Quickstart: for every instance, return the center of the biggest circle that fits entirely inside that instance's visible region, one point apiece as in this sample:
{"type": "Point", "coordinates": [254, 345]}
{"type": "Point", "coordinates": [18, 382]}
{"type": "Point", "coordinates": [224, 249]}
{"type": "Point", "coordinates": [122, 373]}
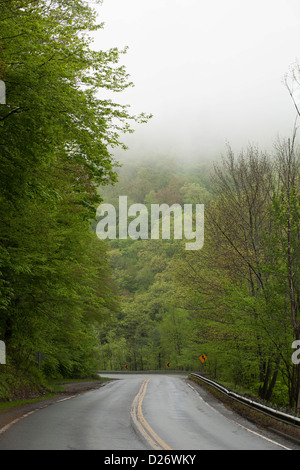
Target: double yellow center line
{"type": "Point", "coordinates": [142, 425]}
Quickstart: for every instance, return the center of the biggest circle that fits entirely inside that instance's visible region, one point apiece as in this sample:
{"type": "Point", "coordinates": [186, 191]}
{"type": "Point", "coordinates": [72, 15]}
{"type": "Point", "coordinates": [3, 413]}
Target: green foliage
{"type": "Point", "coordinates": [55, 139]}
{"type": "Point", "coordinates": [150, 329]}
{"type": "Point", "coordinates": [85, 304]}
{"type": "Point", "coordinates": [228, 300]}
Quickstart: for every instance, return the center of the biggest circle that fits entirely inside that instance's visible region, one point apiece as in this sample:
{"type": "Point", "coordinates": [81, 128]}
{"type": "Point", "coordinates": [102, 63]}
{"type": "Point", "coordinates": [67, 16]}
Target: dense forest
{"type": "Point", "coordinates": [72, 304]}
{"type": "Point", "coordinates": [56, 136]}
{"type": "Point", "coordinates": [237, 299]}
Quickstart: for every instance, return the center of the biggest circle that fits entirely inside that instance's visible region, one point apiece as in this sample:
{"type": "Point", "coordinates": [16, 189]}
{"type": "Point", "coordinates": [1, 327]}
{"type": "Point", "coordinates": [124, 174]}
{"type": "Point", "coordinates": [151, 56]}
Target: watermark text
{"type": "Point", "coordinates": [2, 353]}
{"type": "Point", "coordinates": [2, 92]}
{"type": "Point", "coordinates": [296, 354]}
{"type": "Point", "coordinates": [135, 222]}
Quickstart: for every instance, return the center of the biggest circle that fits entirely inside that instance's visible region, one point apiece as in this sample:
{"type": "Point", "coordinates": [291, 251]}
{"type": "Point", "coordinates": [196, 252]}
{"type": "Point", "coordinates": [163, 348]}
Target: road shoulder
{"type": "Point", "coordinates": [9, 416]}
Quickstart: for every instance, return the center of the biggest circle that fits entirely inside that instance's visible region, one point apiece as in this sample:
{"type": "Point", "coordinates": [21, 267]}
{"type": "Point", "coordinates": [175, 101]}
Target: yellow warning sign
{"type": "Point", "coordinates": [203, 358]}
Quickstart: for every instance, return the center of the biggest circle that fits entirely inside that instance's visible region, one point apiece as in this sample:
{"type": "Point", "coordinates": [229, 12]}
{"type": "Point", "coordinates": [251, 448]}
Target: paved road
{"type": "Point", "coordinates": [138, 412]}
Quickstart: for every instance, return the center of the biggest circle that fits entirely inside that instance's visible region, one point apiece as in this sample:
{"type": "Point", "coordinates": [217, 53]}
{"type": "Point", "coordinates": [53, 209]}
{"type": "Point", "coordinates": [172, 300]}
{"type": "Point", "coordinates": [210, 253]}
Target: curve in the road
{"type": "Point", "coordinates": [136, 413]}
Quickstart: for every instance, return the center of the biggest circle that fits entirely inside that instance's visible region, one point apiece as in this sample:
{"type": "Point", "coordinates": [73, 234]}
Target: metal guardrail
{"type": "Point", "coordinates": [129, 372]}
{"type": "Point", "coordinates": [272, 412]}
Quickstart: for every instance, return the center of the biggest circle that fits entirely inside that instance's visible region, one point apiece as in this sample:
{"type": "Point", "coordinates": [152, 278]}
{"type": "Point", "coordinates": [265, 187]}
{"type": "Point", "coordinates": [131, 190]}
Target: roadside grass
{"type": "Point", "coordinates": [52, 389]}
{"type": "Point", "coordinates": [59, 382]}
{"type": "Point", "coordinates": [8, 405]}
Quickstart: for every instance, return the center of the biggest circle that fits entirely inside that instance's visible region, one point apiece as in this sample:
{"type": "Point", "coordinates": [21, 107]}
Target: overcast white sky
{"type": "Point", "coordinates": [209, 71]}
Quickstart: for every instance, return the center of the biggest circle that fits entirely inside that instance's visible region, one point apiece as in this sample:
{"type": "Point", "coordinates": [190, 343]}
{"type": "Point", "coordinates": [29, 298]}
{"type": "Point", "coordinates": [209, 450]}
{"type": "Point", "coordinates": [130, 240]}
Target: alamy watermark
{"type": "Point", "coordinates": [155, 225]}
{"type": "Point", "coordinates": [2, 92]}
{"type": "Point", "coordinates": [2, 353]}
{"type": "Point", "coordinates": [296, 354]}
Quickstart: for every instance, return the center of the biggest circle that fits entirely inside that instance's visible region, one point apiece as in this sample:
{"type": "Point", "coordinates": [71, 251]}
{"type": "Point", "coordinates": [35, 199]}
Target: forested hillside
{"type": "Point", "coordinates": [72, 304]}
{"type": "Point", "coordinates": [237, 299]}
{"type": "Point", "coordinates": [154, 326]}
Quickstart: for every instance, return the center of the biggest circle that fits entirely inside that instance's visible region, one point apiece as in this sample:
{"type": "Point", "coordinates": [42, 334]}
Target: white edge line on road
{"type": "Point", "coordinates": [7, 426]}
{"type": "Point", "coordinates": [244, 427]}
{"type": "Point", "coordinates": [15, 421]}
{"type": "Point", "coordinates": [68, 398]}
{"type": "Point", "coordinates": [199, 396]}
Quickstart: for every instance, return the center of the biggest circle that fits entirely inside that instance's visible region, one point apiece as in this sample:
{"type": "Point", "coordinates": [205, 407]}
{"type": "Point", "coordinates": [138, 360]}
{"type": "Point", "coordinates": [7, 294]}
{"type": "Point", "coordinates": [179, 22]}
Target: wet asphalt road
{"type": "Point", "coordinates": [138, 412]}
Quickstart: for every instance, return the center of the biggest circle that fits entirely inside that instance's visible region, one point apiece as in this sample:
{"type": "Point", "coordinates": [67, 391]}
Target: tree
{"type": "Point", "coordinates": [55, 139]}
{"type": "Point", "coordinates": [285, 246]}
{"type": "Point", "coordinates": [227, 283]}
{"type": "Point", "coordinates": [292, 84]}
{"type": "Point", "coordinates": [53, 78]}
